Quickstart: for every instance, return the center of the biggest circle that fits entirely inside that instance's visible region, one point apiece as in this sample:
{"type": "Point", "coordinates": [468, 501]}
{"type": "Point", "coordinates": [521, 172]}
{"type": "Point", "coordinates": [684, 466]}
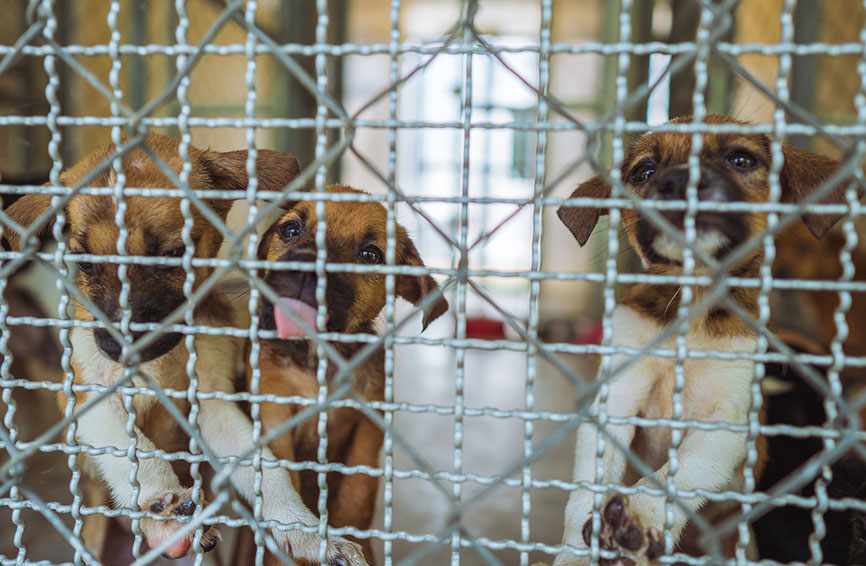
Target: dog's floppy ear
{"type": "Point", "coordinates": [804, 172]}
{"type": "Point", "coordinates": [228, 171]}
{"type": "Point", "coordinates": [414, 288]}
{"type": "Point", "coordinates": [25, 211]}
{"type": "Point", "coordinates": [581, 220]}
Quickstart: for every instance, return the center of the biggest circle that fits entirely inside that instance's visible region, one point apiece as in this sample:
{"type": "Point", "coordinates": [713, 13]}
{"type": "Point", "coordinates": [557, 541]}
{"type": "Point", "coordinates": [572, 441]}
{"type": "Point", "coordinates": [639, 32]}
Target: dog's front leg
{"type": "Point", "coordinates": [355, 502]}
{"type": "Point", "coordinates": [706, 460]}
{"type": "Point", "coordinates": [228, 432]}
{"type": "Point", "coordinates": [160, 491]}
{"type": "Point", "coordinates": [626, 395]}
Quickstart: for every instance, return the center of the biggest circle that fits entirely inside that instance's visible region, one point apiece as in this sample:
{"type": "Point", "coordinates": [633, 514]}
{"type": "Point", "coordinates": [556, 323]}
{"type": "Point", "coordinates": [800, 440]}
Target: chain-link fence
{"type": "Point", "coordinates": [181, 264]}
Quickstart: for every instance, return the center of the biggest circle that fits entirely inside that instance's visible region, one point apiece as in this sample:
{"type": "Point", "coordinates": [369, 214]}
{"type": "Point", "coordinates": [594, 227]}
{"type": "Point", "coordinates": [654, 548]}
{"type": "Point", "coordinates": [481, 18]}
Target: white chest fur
{"type": "Point", "coordinates": [707, 379]}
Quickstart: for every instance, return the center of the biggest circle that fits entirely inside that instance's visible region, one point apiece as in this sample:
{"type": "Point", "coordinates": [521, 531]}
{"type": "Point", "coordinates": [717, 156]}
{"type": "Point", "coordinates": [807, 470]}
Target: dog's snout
{"type": "Point", "coordinates": [673, 184]}
{"type": "Point", "coordinates": [106, 343]}
{"type": "Point", "coordinates": [300, 255]}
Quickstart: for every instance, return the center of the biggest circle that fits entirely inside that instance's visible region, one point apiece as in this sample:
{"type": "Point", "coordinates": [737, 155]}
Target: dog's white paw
{"type": "Point", "coordinates": [623, 532]}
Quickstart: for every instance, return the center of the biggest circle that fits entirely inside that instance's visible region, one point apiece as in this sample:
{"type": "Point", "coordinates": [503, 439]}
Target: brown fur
{"type": "Point", "coordinates": [154, 226]}
{"type": "Point", "coordinates": [289, 367]}
{"type": "Point", "coordinates": [801, 173]}
{"type": "Point", "coordinates": [799, 256]}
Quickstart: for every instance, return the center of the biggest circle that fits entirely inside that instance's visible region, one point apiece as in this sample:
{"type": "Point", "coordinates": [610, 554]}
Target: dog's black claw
{"type": "Point", "coordinates": [338, 561]}
{"type": "Point", "coordinates": [655, 547]}
{"type": "Point", "coordinates": [587, 531]}
{"type": "Point", "coordinates": [186, 508]}
{"type": "Point", "coordinates": [208, 545]}
{"type": "Point", "coordinates": [614, 512]}
{"type": "Point", "coordinates": [630, 539]}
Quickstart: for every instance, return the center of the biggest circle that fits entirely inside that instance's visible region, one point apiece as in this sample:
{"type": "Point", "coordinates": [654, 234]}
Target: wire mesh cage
{"type": "Point", "coordinates": [292, 273]}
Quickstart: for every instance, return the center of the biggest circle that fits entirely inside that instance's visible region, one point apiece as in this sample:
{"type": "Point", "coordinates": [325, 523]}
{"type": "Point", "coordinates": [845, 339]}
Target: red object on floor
{"type": "Point", "coordinates": [485, 328]}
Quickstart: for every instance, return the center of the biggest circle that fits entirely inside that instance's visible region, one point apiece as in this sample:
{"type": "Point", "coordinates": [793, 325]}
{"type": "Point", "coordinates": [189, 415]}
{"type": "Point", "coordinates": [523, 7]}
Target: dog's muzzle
{"type": "Point", "coordinates": [717, 232]}
{"type": "Point", "coordinates": [712, 187]}
{"type": "Point", "coordinates": [297, 291]}
{"type": "Point", "coordinates": [163, 344]}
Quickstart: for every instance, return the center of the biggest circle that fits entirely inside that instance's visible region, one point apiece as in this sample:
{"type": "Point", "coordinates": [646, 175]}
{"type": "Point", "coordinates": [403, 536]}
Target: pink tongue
{"type": "Point", "coordinates": [286, 325]}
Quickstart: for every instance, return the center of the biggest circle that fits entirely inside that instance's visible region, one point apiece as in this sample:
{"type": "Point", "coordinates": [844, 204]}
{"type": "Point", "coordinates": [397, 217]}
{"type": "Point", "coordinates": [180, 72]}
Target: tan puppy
{"type": "Point", "coordinates": [155, 229]}
{"type": "Point", "coordinates": [733, 168]}
{"type": "Point", "coordinates": [356, 233]}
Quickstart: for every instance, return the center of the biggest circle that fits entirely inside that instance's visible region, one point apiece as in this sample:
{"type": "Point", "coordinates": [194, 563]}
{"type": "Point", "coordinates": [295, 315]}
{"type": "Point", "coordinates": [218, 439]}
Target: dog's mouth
{"type": "Point", "coordinates": [162, 345]}
{"type": "Point", "coordinates": [287, 317]}
{"type": "Point", "coordinates": [288, 326]}
{"type": "Point", "coordinates": [715, 235]}
{"type": "Point", "coordinates": [708, 240]}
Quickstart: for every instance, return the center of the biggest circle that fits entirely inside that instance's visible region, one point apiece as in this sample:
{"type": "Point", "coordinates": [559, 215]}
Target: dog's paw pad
{"type": "Point", "coordinates": [614, 512]}
{"type": "Point", "coordinates": [630, 537]}
{"type": "Point", "coordinates": [172, 503]}
{"type": "Point", "coordinates": [622, 532]}
{"type": "Point", "coordinates": [178, 504]}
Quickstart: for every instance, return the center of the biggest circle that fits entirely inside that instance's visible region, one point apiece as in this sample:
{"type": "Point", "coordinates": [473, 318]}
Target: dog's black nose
{"type": "Point", "coordinates": [672, 185]}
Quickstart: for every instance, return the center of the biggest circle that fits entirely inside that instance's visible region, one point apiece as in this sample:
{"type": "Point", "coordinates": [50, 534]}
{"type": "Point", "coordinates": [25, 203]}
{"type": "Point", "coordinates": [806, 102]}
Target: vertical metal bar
{"type": "Point", "coordinates": [122, 270]}
{"type": "Point", "coordinates": [535, 265]}
{"type": "Point", "coordinates": [470, 8]}
{"type": "Point", "coordinates": [686, 292]}
{"type": "Point", "coordinates": [831, 408]}
{"type": "Point", "coordinates": [184, 112]}
{"type": "Point", "coordinates": [252, 303]}
{"type": "Point", "coordinates": [51, 91]}
{"type": "Point", "coordinates": [606, 367]}
{"type": "Point", "coordinates": [321, 274]}
{"type": "Point", "coordinates": [764, 314]}
{"type": "Point", "coordinates": [390, 282]}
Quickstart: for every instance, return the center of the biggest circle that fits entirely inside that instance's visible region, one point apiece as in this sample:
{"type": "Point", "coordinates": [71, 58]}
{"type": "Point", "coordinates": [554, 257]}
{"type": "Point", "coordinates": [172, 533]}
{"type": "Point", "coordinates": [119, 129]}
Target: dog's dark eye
{"type": "Point", "coordinates": [290, 230]}
{"type": "Point", "coordinates": [86, 267]}
{"type": "Point", "coordinates": [174, 252]}
{"type": "Point", "coordinates": [642, 173]}
{"type": "Point", "coordinates": [741, 160]}
{"type": "Point", "coordinates": [371, 254]}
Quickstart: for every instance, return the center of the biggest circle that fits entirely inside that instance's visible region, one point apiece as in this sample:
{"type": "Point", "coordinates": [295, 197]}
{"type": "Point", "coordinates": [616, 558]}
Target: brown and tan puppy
{"type": "Point", "coordinates": [154, 228]}
{"type": "Point", "coordinates": [355, 234]}
{"type": "Point", "coordinates": [733, 167]}
{"type": "Point", "coordinates": [799, 256]}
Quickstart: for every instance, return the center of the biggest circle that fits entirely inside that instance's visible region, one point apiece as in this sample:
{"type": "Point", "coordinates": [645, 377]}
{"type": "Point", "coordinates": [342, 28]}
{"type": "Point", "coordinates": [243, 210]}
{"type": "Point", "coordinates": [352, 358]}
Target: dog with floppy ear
{"type": "Point", "coordinates": [733, 168]}
{"type": "Point", "coordinates": [154, 227]}
{"type": "Point", "coordinates": [355, 234]}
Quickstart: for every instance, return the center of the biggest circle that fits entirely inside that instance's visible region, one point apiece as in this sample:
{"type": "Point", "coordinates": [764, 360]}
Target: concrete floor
{"type": "Point", "coordinates": [491, 447]}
